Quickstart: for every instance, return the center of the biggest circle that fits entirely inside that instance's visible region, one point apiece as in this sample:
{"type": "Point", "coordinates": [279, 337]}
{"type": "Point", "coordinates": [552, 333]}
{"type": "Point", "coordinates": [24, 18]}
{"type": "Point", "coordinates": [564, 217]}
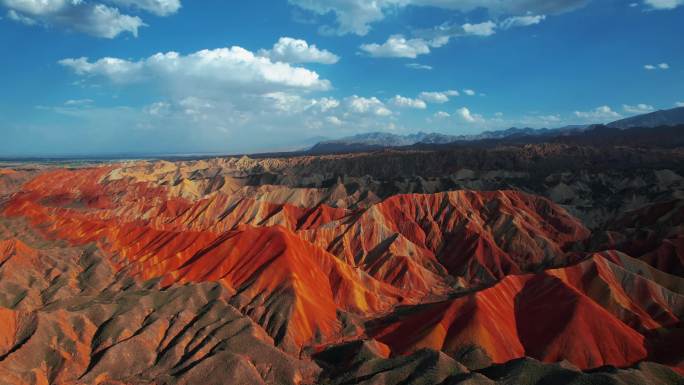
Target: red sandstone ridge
{"type": "Point", "coordinates": [476, 236]}
{"type": "Point", "coordinates": [298, 258]}
{"type": "Point", "coordinates": [15, 328]}
{"type": "Point", "coordinates": [653, 233]}
{"type": "Point", "coordinates": [14, 248]}
{"type": "Point", "coordinates": [599, 312]}
{"type": "Point", "coordinates": [280, 277]}
{"type": "Point", "coordinates": [406, 240]}
{"type": "Point", "coordinates": [481, 277]}
{"type": "Point", "coordinates": [293, 287]}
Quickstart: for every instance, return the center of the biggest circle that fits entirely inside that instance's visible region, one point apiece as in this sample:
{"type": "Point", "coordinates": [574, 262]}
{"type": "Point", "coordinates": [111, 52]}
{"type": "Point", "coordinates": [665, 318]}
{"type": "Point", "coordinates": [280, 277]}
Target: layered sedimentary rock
{"type": "Point", "coordinates": [281, 270]}
{"type": "Point", "coordinates": [606, 310]}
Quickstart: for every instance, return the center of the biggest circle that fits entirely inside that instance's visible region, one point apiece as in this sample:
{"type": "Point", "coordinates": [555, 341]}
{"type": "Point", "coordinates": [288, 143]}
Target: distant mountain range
{"type": "Point", "coordinates": [380, 140]}
{"type": "Point", "coordinates": [671, 117]}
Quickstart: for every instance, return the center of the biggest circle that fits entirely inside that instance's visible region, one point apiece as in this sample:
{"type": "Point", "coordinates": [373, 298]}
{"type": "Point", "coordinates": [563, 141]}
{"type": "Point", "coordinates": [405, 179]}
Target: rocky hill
{"type": "Point", "coordinates": [552, 262]}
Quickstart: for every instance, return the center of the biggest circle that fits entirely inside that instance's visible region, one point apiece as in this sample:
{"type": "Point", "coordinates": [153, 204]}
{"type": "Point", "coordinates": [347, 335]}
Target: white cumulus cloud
{"type": "Point", "coordinates": [291, 50]}
{"type": "Point", "coordinates": [222, 68]}
{"type": "Point", "coordinates": [78, 102]}
{"type": "Point", "coordinates": [157, 7]}
{"type": "Point", "coordinates": [288, 103]}
{"type": "Point", "coordinates": [334, 120]}
{"type": "Point", "coordinates": [224, 99]}
{"type": "Point", "coordinates": [356, 16]}
{"type": "Point", "coordinates": [13, 15]}
{"type": "Point", "coordinates": [467, 116]}
{"type": "Point", "coordinates": [486, 28]}
{"type": "Point", "coordinates": [99, 19]}
{"type": "Point", "coordinates": [598, 114]}
{"type": "Point", "coordinates": [361, 105]}
{"type": "Point", "coordinates": [522, 21]}
{"type": "Point", "coordinates": [640, 108]}
{"type": "Point", "coordinates": [661, 66]}
{"type": "Point", "coordinates": [326, 103]}
{"type": "Point", "coordinates": [402, 101]}
{"type": "Point", "coordinates": [664, 4]}
{"type": "Point", "coordinates": [418, 66]}
{"type": "Point", "coordinates": [438, 97]}
{"type": "Point", "coordinates": [397, 46]}
{"type": "Point", "coordinates": [352, 16]}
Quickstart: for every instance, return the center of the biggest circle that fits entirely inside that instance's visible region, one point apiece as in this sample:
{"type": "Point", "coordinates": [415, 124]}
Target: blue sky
{"type": "Point", "coordinates": [174, 76]}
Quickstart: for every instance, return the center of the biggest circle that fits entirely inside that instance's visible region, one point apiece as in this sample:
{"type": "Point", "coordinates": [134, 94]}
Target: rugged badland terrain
{"type": "Point", "coordinates": [554, 262]}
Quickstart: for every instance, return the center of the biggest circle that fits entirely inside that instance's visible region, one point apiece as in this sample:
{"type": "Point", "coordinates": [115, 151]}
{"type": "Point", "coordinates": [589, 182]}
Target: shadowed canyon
{"type": "Point", "coordinates": [558, 262]}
